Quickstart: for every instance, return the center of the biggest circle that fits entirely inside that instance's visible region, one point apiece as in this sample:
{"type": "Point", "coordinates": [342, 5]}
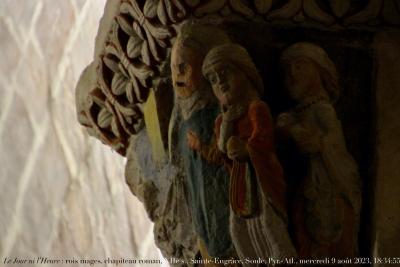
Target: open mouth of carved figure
{"type": "Point", "coordinates": [180, 84]}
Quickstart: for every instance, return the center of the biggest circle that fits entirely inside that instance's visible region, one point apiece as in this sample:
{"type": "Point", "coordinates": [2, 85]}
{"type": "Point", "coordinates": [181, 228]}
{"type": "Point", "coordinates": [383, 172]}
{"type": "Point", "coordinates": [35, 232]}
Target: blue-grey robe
{"type": "Point", "coordinates": [207, 184]}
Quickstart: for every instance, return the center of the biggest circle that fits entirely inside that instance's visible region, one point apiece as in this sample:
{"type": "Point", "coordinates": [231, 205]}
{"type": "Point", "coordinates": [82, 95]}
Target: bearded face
{"type": "Point", "coordinates": [186, 70]}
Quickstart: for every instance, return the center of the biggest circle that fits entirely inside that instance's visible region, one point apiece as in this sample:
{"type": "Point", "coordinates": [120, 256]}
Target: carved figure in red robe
{"type": "Point", "coordinates": [244, 134]}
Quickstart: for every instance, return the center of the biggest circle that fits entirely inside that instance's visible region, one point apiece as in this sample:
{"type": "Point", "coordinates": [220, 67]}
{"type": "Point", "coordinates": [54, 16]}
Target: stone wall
{"type": "Point", "coordinates": [62, 193]}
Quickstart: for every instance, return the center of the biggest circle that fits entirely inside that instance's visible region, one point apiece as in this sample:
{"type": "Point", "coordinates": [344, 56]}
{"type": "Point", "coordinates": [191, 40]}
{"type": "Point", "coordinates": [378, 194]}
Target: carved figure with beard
{"type": "Point", "coordinates": [195, 110]}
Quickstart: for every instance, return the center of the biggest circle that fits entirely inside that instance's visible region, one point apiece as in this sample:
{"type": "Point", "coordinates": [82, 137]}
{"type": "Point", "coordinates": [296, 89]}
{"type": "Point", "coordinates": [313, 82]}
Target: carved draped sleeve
{"type": "Point", "coordinates": [260, 146]}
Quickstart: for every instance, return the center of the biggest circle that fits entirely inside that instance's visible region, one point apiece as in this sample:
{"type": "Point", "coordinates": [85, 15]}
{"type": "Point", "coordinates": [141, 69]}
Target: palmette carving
{"type": "Point", "coordinates": [371, 11]}
{"type": "Point", "coordinates": [263, 6]}
{"type": "Point", "coordinates": [314, 11]}
{"type": "Point", "coordinates": [241, 8]}
{"type": "Point", "coordinates": [339, 7]}
{"type": "Point", "coordinates": [287, 11]}
{"type": "Point", "coordinates": [124, 73]}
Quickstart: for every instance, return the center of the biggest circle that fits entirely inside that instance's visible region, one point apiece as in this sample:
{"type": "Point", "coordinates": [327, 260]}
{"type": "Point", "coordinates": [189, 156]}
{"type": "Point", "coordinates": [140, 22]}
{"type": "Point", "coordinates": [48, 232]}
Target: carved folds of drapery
{"type": "Point", "coordinates": [134, 59]}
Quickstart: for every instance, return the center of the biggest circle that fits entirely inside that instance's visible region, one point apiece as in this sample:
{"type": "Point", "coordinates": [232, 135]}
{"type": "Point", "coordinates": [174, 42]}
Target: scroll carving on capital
{"type": "Point", "coordinates": [185, 94]}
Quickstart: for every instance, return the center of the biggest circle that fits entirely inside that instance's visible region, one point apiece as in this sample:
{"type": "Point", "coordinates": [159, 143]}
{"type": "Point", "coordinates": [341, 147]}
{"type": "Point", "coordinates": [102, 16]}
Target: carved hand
{"type": "Point", "coordinates": [193, 140]}
{"type": "Point", "coordinates": [233, 112]}
{"type": "Point", "coordinates": [237, 149]}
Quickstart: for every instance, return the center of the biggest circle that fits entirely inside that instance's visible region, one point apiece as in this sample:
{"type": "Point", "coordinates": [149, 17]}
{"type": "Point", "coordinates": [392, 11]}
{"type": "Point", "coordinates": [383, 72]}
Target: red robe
{"type": "Point", "coordinates": [256, 129]}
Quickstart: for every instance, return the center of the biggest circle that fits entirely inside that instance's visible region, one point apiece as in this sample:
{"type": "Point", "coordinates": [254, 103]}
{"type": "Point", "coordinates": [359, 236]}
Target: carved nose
{"type": "Point", "coordinates": [223, 87]}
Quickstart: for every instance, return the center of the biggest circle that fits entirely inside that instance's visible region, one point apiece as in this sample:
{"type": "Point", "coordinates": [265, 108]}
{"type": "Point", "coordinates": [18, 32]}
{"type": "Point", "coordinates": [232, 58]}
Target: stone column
{"type": "Point", "coordinates": [386, 215]}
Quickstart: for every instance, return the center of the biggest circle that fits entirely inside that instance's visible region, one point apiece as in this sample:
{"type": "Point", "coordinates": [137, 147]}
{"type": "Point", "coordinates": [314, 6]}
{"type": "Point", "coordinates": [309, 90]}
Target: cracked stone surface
{"type": "Point", "coordinates": [62, 193]}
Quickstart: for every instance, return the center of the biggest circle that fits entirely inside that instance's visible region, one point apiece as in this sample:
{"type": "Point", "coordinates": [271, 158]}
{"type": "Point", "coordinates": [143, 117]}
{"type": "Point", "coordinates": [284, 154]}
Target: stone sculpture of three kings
{"type": "Point", "coordinates": [221, 135]}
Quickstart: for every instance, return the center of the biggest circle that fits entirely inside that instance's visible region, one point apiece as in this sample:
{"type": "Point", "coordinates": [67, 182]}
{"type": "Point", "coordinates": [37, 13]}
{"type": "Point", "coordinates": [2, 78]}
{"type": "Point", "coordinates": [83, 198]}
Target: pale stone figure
{"type": "Point", "coordinates": [327, 206]}
{"type": "Point", "coordinates": [195, 110]}
{"type": "Point", "coordinates": [244, 133]}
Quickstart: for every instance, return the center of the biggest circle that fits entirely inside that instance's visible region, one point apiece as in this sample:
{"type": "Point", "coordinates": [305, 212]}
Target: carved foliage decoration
{"type": "Point", "coordinates": [342, 12]}
{"type": "Point", "coordinates": [135, 48]}
{"type": "Point", "coordinates": [140, 40]}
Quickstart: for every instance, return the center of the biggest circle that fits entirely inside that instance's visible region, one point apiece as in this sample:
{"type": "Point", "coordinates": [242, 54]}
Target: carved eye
{"type": "Point", "coordinates": [223, 73]}
{"type": "Point", "coordinates": [226, 70]}
{"type": "Point", "coordinates": [212, 78]}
